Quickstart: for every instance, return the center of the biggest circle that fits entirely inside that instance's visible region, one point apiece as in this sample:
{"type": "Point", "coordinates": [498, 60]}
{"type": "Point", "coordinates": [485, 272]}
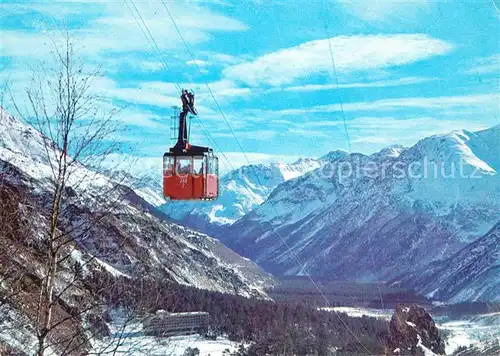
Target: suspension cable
{"type": "Point", "coordinates": [165, 65]}
{"type": "Point", "coordinates": [338, 88]}
{"type": "Point", "coordinates": [294, 254]}
{"type": "Point", "coordinates": [157, 51]}
{"type": "Point", "coordinates": [151, 40]}
{"type": "Point", "coordinates": [205, 82]}
{"type": "Point", "coordinates": [348, 140]}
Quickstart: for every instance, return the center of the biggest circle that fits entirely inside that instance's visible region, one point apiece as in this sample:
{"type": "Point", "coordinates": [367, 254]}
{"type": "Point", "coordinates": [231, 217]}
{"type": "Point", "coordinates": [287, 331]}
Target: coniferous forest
{"type": "Point", "coordinates": [274, 328]}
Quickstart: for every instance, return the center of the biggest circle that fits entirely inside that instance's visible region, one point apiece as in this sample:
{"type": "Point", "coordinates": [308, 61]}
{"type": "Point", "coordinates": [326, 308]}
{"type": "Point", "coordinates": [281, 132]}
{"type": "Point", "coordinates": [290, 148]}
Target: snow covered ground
{"type": "Point", "coordinates": [172, 346]}
{"type": "Point", "coordinates": [127, 338]}
{"type": "Point", "coordinates": [479, 330]}
{"type": "Point", "coordinates": [15, 331]}
{"type": "Point", "coordinates": [359, 312]}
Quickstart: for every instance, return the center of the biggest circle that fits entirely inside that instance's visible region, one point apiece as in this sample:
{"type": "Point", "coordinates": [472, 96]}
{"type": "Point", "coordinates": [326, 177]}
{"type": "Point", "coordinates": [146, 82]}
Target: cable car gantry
{"type": "Point", "coordinates": [189, 172]}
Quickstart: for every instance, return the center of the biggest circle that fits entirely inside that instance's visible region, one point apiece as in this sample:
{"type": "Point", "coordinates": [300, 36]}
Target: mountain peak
{"type": "Point", "coordinates": [334, 155]}
{"type": "Point", "coordinates": [22, 145]}
{"type": "Point", "coordinates": [390, 151]}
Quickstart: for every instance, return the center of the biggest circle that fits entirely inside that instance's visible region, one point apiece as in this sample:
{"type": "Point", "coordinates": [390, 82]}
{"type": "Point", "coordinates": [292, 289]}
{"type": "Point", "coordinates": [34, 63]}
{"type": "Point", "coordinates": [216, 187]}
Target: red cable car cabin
{"type": "Point", "coordinates": [189, 172]}
{"type": "Point", "coordinates": [191, 175]}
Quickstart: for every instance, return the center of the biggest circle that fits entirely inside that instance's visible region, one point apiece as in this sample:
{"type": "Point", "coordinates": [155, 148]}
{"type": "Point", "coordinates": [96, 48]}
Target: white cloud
{"type": "Point", "coordinates": [376, 128]}
{"type": "Point", "coordinates": [159, 94]}
{"type": "Point", "coordinates": [24, 43]}
{"type": "Point", "coordinates": [198, 17]}
{"type": "Point", "coordinates": [197, 62]}
{"type": "Point", "coordinates": [113, 28]}
{"type": "Point", "coordinates": [216, 59]}
{"type": "Point", "coordinates": [167, 88]}
{"type": "Point", "coordinates": [131, 116]}
{"type": "Point", "coordinates": [223, 89]}
{"type": "Point", "coordinates": [426, 103]}
{"type": "Point", "coordinates": [371, 139]}
{"type": "Point", "coordinates": [136, 95]}
{"type": "Point", "coordinates": [304, 132]}
{"type": "Point", "coordinates": [352, 53]}
{"type": "Point", "coordinates": [391, 123]}
{"type": "Point", "coordinates": [196, 23]}
{"type": "Point", "coordinates": [382, 131]}
{"type": "Point", "coordinates": [150, 66]}
{"type": "Point", "coordinates": [322, 123]}
{"type": "Point", "coordinates": [55, 9]}
{"type": "Point", "coordinates": [167, 94]}
{"type": "Point", "coordinates": [225, 59]}
{"type": "Point", "coordinates": [440, 102]}
{"type": "Point", "coordinates": [136, 64]}
{"type": "Point", "coordinates": [383, 11]}
{"type": "Point", "coordinates": [374, 84]}
{"type": "Point", "coordinates": [485, 65]}
{"type": "Point", "coordinates": [372, 133]}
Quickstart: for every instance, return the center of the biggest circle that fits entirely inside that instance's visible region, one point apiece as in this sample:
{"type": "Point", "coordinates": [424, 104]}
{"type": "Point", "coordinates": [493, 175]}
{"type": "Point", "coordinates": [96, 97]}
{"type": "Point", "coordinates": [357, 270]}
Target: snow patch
{"type": "Point", "coordinates": [426, 351]}
{"type": "Point", "coordinates": [128, 338]}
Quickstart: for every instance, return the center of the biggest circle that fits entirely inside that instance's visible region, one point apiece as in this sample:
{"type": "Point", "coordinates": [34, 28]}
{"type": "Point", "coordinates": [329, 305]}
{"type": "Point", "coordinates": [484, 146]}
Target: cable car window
{"type": "Point", "coordinates": [198, 165]}
{"type": "Point", "coordinates": [168, 165]}
{"type": "Point", "coordinates": [209, 165]}
{"type": "Point", "coordinates": [184, 165]}
{"type": "Point", "coordinates": [214, 166]}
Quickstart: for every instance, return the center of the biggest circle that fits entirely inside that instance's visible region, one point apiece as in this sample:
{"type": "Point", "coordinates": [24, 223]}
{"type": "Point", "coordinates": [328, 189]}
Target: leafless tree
{"type": "Point", "coordinates": [77, 128]}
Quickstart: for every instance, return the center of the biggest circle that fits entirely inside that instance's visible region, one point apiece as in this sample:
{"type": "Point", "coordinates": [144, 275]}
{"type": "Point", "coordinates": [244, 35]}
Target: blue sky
{"type": "Point", "coordinates": [406, 69]}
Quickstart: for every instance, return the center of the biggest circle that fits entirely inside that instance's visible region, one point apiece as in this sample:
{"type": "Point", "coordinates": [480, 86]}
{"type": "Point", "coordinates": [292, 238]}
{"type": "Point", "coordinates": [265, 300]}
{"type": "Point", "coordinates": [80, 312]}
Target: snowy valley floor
{"type": "Point", "coordinates": [128, 338]}
{"type": "Point", "coordinates": [479, 330]}
{"type": "Point", "coordinates": [173, 346]}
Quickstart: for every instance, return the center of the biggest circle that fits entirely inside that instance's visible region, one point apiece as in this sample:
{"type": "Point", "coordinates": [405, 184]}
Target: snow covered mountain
{"type": "Point", "coordinates": [135, 238]}
{"type": "Point", "coordinates": [242, 190]}
{"type": "Point", "coordinates": [147, 184]}
{"type": "Point", "coordinates": [471, 274]}
{"type": "Point", "coordinates": [107, 234]}
{"type": "Point", "coordinates": [379, 216]}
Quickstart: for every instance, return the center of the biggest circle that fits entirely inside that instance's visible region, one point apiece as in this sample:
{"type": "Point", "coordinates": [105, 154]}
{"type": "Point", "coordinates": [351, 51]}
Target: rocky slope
{"type": "Point", "coordinates": [153, 243]}
{"type": "Point", "coordinates": [379, 216]}
{"type": "Point", "coordinates": [413, 332]}
{"type": "Point", "coordinates": [111, 231]}
{"type": "Point", "coordinates": [472, 273]}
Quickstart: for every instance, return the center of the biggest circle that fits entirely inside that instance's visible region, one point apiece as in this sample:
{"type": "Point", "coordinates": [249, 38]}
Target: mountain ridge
{"type": "Point", "coordinates": [473, 273]}
{"type": "Point", "coordinates": [330, 220]}
{"type": "Point", "coordinates": [24, 166]}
